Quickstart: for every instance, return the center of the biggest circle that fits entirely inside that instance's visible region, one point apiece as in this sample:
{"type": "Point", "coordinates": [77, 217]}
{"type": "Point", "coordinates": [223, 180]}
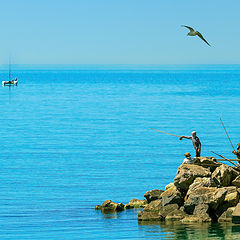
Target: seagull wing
{"type": "Point", "coordinates": [191, 29]}
{"type": "Point", "coordinates": [200, 35]}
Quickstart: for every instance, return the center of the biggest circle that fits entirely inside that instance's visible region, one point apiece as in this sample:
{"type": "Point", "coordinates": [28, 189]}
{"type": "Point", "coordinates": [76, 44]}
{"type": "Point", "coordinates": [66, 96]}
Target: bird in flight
{"type": "Point", "coordinates": [195, 33]}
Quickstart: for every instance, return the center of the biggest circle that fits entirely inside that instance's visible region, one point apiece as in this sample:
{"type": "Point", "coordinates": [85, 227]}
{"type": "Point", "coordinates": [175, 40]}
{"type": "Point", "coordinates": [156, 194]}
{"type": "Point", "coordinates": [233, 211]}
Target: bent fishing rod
{"type": "Point", "coordinates": [225, 158]}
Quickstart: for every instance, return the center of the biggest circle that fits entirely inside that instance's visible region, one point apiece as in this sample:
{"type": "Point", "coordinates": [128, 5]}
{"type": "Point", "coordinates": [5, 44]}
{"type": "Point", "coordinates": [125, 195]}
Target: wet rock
{"type": "Point", "coordinates": [110, 206]}
{"type": "Point", "coordinates": [236, 214]}
{"type": "Point", "coordinates": [187, 173]}
{"type": "Point", "coordinates": [225, 174]}
{"type": "Point", "coordinates": [98, 207]}
{"type": "Point", "coordinates": [227, 215]}
{"type": "Point", "coordinates": [156, 212]}
{"type": "Point", "coordinates": [136, 203]}
{"type": "Point", "coordinates": [176, 215]}
{"type": "Point", "coordinates": [202, 211]}
{"type": "Point", "coordinates": [172, 195]}
{"type": "Point", "coordinates": [194, 219]}
{"type": "Point", "coordinates": [153, 195]}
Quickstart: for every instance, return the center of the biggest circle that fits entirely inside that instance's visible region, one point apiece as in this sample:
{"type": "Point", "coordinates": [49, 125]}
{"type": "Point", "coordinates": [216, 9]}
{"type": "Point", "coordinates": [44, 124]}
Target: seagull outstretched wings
{"type": "Point", "coordinates": [195, 33]}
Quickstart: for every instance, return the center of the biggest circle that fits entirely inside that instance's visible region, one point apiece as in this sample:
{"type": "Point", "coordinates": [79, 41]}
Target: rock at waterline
{"type": "Point", "coordinates": [110, 206]}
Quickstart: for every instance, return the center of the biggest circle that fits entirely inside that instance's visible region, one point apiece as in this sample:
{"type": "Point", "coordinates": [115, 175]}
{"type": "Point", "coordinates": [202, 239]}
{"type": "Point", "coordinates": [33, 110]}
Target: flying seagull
{"type": "Point", "coordinates": [195, 33]}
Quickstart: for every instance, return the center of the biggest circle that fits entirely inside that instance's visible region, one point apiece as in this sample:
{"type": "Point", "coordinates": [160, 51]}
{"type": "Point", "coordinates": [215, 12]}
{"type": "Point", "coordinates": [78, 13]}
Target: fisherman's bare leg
{"type": "Point", "coordinates": [198, 152]}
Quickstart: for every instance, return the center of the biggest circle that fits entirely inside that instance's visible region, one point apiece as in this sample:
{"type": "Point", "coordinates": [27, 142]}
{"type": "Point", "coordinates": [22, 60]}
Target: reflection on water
{"type": "Point", "coordinates": [190, 231]}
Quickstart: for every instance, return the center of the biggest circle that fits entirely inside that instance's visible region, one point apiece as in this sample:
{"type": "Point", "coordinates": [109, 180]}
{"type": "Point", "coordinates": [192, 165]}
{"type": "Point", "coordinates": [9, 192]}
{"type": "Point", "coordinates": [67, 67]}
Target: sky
{"type": "Point", "coordinates": [119, 31]}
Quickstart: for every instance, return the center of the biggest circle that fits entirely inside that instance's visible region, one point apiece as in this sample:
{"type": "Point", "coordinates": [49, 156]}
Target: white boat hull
{"type": "Point", "coordinates": [7, 83]}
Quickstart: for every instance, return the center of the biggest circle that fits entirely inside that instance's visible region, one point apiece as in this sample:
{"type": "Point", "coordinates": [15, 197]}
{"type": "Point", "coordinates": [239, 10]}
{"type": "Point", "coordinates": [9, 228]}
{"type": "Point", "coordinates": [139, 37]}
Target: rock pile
{"type": "Point", "coordinates": [203, 192]}
{"type": "Point", "coordinates": [208, 191]}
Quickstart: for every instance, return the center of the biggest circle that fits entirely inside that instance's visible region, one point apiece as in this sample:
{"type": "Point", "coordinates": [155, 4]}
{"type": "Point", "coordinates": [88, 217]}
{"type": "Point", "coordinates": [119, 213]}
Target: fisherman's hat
{"type": "Point", "coordinates": [194, 132]}
{"type": "Point", "coordinates": [187, 154]}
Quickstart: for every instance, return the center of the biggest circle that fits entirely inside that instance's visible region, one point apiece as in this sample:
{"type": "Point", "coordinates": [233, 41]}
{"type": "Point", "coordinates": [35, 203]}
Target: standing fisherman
{"type": "Point", "coordinates": [196, 142]}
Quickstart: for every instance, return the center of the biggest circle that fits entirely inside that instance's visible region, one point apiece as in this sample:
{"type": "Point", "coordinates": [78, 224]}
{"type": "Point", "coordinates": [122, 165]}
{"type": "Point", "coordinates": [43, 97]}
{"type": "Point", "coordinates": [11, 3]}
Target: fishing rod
{"type": "Point", "coordinates": [225, 158]}
{"type": "Point", "coordinates": [165, 132]}
{"type": "Point", "coordinates": [227, 134]}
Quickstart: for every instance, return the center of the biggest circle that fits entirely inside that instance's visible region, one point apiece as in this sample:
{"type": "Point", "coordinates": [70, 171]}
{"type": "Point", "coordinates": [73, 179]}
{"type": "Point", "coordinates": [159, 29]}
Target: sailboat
{"type": "Point", "coordinates": [10, 82]}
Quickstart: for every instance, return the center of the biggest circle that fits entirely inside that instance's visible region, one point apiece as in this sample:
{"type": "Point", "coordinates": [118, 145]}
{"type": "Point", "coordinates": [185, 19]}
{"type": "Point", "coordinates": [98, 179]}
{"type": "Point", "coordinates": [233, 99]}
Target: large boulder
{"type": "Point", "coordinates": [136, 203]}
{"type": "Point", "coordinates": [225, 174]}
{"type": "Point", "coordinates": [153, 195]}
{"type": "Point", "coordinates": [187, 173]}
{"type": "Point", "coordinates": [201, 182]}
{"type": "Point", "coordinates": [209, 162]}
{"type": "Point", "coordinates": [110, 206]}
{"type": "Point", "coordinates": [205, 195]}
{"type": "Point", "coordinates": [172, 195]}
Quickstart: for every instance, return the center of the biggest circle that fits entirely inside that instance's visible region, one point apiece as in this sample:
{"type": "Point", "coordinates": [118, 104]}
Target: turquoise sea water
{"type": "Point", "coordinates": [74, 136]}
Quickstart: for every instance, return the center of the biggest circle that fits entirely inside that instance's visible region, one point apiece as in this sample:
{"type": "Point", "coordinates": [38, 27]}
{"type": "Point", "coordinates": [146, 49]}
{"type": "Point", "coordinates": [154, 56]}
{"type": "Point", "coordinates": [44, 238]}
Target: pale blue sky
{"type": "Point", "coordinates": [119, 31]}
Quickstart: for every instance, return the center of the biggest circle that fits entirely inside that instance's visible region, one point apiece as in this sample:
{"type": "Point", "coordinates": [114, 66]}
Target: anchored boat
{"type": "Point", "coordinates": [10, 82]}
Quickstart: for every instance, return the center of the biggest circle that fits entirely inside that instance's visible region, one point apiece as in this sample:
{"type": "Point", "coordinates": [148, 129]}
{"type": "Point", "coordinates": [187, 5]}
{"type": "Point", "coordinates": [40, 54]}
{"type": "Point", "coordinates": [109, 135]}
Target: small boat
{"type": "Point", "coordinates": [10, 82]}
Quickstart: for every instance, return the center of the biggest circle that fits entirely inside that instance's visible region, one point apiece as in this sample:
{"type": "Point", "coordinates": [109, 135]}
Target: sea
{"type": "Point", "coordinates": [73, 136]}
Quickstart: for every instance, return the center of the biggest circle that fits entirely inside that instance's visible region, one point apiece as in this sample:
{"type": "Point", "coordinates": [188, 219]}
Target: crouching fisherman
{"type": "Point", "coordinates": [188, 159]}
{"type": "Point", "coordinates": [195, 141]}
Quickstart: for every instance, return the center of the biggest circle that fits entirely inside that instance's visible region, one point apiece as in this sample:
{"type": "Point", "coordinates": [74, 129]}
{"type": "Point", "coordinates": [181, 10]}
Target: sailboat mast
{"type": "Point", "coordinates": [9, 69]}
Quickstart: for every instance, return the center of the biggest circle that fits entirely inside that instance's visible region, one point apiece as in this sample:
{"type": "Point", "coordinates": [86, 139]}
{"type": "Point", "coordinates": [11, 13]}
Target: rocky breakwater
{"type": "Point", "coordinates": [204, 192]}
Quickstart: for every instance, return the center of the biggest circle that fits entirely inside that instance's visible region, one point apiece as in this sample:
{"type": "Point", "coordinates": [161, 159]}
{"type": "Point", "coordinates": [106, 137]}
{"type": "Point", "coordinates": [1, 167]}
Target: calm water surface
{"type": "Point", "coordinates": [74, 136]}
